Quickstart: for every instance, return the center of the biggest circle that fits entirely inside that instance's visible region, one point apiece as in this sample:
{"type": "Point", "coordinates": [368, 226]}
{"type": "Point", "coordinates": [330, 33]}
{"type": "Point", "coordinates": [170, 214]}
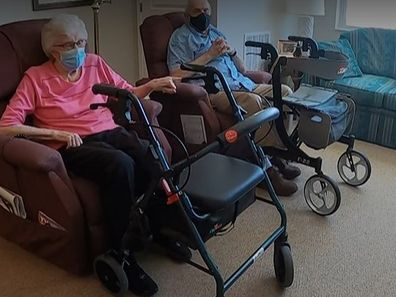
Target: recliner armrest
{"type": "Point", "coordinates": [185, 92]}
{"type": "Point", "coordinates": [259, 77]}
{"type": "Point", "coordinates": [152, 108]}
{"type": "Point", "coordinates": [189, 99]}
{"type": "Point", "coordinates": [31, 155]}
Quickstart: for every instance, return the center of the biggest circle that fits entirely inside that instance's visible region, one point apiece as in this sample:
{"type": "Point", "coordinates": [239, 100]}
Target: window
{"type": "Point", "coordinates": [365, 13]}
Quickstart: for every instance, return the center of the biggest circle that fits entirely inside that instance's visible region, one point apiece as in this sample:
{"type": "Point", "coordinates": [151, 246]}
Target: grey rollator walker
{"type": "Point", "coordinates": [217, 188]}
{"type": "Point", "coordinates": [322, 120]}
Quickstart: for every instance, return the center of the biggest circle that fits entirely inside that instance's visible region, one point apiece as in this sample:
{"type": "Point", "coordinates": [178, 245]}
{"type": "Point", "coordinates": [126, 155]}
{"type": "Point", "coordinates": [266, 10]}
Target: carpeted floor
{"type": "Point", "coordinates": [351, 253]}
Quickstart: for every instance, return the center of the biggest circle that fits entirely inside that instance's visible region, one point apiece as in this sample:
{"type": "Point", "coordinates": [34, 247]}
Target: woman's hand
{"type": "Point", "coordinates": [72, 139]}
{"type": "Point", "coordinates": [163, 84]}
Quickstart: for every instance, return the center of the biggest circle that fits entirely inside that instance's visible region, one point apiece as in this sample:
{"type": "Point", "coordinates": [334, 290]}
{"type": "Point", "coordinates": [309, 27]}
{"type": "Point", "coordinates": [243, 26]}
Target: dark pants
{"type": "Point", "coordinates": [117, 162]}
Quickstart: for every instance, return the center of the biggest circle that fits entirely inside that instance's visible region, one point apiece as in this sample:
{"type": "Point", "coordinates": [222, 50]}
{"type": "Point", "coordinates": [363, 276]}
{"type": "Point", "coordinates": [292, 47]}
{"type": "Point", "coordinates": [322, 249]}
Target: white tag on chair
{"type": "Point", "coordinates": [193, 129]}
{"type": "Point", "coordinates": [12, 203]}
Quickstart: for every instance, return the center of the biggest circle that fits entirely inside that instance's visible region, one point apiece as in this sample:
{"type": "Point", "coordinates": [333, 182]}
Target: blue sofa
{"type": "Point", "coordinates": [370, 80]}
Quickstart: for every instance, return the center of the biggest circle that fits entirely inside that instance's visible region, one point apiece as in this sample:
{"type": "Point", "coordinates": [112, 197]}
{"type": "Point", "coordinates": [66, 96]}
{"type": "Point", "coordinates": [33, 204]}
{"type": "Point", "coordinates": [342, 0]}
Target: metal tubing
{"type": "Point", "coordinates": [250, 261]}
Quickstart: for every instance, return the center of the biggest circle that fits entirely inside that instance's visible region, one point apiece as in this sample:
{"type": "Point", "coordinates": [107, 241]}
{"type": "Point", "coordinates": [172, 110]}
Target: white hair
{"type": "Point", "coordinates": [63, 24]}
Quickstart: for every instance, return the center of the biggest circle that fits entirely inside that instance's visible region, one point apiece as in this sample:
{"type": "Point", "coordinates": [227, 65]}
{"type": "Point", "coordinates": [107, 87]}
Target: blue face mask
{"type": "Point", "coordinates": [73, 59]}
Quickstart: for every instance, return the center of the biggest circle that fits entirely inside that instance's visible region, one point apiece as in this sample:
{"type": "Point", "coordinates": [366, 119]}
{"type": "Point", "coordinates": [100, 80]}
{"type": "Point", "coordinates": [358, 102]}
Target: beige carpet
{"type": "Point", "coordinates": [351, 253]}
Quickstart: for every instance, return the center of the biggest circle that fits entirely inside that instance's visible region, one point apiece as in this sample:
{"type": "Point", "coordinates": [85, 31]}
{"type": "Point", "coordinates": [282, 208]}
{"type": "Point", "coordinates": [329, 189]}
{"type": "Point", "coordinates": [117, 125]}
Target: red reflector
{"type": "Point", "coordinates": [172, 199]}
{"type": "Point", "coordinates": [342, 70]}
{"type": "Point", "coordinates": [231, 136]}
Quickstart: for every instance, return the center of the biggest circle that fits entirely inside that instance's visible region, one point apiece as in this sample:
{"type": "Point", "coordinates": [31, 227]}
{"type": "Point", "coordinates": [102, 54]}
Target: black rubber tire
{"type": "Point", "coordinates": [283, 265]}
{"type": "Point", "coordinates": [367, 164]}
{"type": "Point", "coordinates": [110, 273]}
{"type": "Point", "coordinates": [336, 189]}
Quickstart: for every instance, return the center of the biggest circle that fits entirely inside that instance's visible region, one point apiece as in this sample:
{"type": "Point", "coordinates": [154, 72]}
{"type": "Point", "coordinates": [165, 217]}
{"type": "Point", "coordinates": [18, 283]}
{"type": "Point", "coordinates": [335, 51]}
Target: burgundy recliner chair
{"type": "Point", "coordinates": [190, 99]}
{"type": "Point", "coordinates": [64, 222]}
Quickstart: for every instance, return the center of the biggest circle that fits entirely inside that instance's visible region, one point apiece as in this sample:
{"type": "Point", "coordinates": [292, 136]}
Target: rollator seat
{"type": "Point", "coordinates": [218, 181]}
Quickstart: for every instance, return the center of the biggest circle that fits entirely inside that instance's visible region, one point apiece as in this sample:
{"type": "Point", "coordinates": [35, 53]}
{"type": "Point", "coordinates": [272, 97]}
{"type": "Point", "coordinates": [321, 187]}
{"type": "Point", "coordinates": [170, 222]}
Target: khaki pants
{"type": "Point", "coordinates": [252, 103]}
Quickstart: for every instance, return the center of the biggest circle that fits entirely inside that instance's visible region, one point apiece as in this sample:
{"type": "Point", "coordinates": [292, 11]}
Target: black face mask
{"type": "Point", "coordinates": [200, 22]}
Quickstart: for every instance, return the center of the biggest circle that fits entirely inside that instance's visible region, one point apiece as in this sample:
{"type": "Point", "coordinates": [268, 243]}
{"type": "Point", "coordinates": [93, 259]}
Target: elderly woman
{"type": "Point", "coordinates": [58, 95]}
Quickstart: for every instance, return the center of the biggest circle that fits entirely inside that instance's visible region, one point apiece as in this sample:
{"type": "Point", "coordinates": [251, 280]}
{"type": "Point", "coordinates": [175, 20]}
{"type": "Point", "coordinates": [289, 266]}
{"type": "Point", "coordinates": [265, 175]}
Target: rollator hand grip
{"type": "Point", "coordinates": [307, 44]}
{"type": "Point", "coordinates": [248, 125]}
{"type": "Point", "coordinates": [266, 49]}
{"type": "Point", "coordinates": [96, 105]}
{"type": "Point", "coordinates": [255, 44]}
{"type": "Point", "coordinates": [197, 68]}
{"type": "Point", "coordinates": [110, 91]}
{"type": "Point", "coordinates": [230, 136]}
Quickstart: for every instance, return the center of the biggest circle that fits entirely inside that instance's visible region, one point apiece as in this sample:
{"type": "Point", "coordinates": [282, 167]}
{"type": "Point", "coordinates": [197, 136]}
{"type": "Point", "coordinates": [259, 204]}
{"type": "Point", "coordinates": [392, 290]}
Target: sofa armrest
{"type": "Point", "coordinates": [259, 77]}
{"type": "Point", "coordinates": [39, 158]}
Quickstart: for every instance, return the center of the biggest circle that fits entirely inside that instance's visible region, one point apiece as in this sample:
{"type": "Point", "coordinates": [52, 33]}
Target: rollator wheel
{"type": "Point", "coordinates": [110, 273]}
{"type": "Point", "coordinates": [354, 168]}
{"type": "Point", "coordinates": [283, 264]}
{"type": "Point", "coordinates": [322, 195]}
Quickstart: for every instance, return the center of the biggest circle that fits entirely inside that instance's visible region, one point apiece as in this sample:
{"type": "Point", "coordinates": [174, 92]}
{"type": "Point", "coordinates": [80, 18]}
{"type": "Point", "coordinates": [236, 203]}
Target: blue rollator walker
{"type": "Point", "coordinates": [217, 188]}
{"type": "Point", "coordinates": [324, 116]}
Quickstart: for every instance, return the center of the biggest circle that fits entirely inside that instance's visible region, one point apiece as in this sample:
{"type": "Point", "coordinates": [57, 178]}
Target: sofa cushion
{"type": "Point", "coordinates": [343, 46]}
{"type": "Point", "coordinates": [368, 90]}
{"type": "Point", "coordinates": [375, 50]}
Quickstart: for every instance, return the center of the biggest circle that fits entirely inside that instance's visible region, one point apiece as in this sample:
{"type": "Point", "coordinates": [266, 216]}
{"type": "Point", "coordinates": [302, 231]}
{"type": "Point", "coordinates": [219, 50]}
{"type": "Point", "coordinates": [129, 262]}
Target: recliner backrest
{"type": "Point", "coordinates": [155, 33]}
{"type": "Point", "coordinates": [20, 48]}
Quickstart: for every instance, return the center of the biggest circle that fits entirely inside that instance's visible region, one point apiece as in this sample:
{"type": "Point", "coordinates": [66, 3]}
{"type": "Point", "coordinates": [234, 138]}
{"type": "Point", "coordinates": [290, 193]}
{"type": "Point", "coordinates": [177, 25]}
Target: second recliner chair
{"type": "Point", "coordinates": [190, 99]}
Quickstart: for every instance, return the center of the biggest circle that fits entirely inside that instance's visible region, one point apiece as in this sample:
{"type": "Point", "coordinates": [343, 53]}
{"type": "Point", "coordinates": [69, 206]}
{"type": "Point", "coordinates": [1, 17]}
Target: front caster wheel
{"type": "Point", "coordinates": [354, 168]}
{"type": "Point", "coordinates": [322, 195]}
{"type": "Point", "coordinates": [283, 264]}
{"type": "Point", "coordinates": [111, 274]}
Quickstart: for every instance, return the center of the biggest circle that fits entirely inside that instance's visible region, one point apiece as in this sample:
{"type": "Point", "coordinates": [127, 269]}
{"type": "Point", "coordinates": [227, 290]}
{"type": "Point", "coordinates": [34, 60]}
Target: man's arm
{"type": "Point", "coordinates": [218, 48]}
{"type": "Point", "coordinates": [237, 61]}
{"type": "Point", "coordinates": [202, 60]}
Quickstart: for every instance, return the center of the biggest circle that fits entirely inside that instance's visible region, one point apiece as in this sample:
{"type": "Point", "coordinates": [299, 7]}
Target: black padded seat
{"type": "Point", "coordinates": [218, 181]}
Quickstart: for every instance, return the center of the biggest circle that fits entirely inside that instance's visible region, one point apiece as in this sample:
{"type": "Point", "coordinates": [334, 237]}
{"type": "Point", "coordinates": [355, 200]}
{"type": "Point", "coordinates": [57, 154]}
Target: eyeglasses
{"type": "Point", "coordinates": [71, 45]}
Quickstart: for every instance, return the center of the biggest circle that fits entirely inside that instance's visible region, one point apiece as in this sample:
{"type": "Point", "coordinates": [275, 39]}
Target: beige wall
{"type": "Point", "coordinates": [235, 18]}
{"type": "Point", "coordinates": [325, 25]}
{"type": "Point", "coordinates": [118, 31]}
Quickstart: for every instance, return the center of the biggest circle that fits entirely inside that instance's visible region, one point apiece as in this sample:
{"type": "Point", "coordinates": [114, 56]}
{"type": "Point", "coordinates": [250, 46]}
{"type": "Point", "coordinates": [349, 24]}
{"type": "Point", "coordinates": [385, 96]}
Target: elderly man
{"type": "Point", "coordinates": [198, 42]}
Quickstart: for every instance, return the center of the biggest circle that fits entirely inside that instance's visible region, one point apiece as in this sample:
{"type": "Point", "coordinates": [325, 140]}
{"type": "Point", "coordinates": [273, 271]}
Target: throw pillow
{"type": "Point", "coordinates": [343, 46]}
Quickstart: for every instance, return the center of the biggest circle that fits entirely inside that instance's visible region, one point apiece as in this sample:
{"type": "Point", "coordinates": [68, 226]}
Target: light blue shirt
{"type": "Point", "coordinates": [186, 44]}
